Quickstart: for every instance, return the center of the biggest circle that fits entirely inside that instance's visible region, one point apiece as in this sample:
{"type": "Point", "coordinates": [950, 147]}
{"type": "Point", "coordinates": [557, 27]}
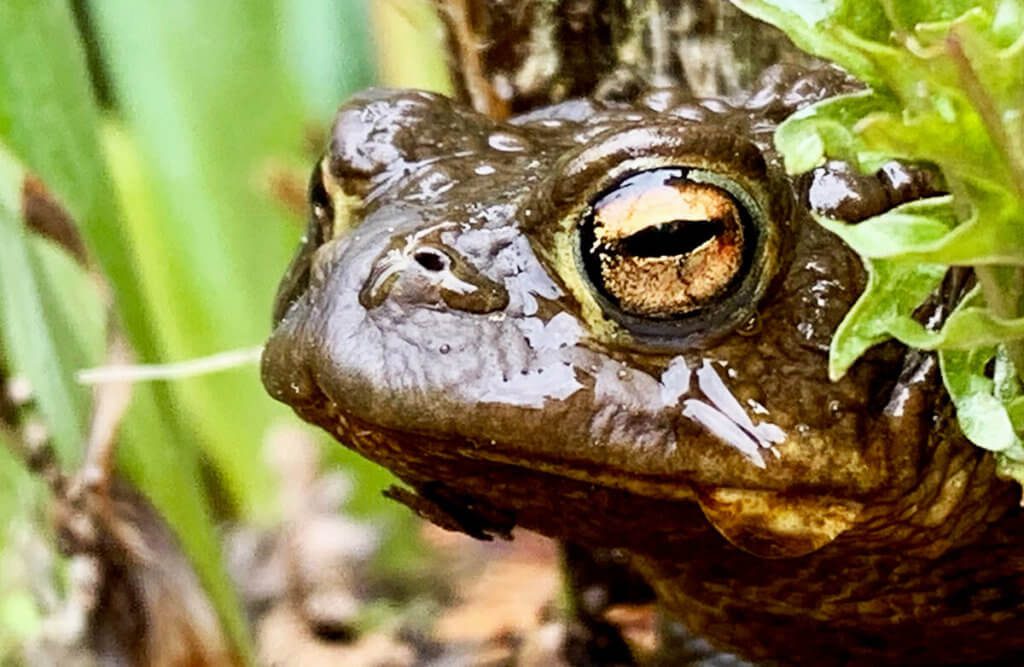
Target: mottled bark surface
{"type": "Point", "coordinates": [509, 56]}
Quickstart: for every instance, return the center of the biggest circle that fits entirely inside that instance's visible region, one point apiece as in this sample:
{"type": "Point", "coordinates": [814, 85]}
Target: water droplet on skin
{"type": "Point", "coordinates": [506, 143]}
{"type": "Point", "coordinates": [484, 170]}
{"type": "Point", "coordinates": [751, 327]}
{"type": "Point", "coordinates": [445, 348]}
{"type": "Point", "coordinates": [622, 374]}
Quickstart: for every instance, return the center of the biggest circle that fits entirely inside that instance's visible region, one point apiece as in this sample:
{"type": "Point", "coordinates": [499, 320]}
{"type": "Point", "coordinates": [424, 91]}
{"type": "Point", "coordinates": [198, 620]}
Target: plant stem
{"type": "Point", "coordinates": [1003, 287]}
{"type": "Point", "coordinates": [988, 111]}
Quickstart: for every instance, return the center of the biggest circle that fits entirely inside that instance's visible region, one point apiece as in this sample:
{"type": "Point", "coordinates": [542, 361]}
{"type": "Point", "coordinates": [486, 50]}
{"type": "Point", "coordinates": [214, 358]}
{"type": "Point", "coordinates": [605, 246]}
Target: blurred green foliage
{"type": "Point", "coordinates": [170, 155]}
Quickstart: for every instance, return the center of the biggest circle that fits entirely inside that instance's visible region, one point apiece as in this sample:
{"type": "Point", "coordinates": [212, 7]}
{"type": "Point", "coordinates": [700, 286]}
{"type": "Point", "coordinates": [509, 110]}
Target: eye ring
{"type": "Point", "coordinates": [748, 172]}
{"type": "Point", "coordinates": [673, 254]}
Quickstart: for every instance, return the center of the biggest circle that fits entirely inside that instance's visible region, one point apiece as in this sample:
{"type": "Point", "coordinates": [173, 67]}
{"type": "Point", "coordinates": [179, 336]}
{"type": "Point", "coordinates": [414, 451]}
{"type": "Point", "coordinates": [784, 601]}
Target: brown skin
{"type": "Point", "coordinates": [439, 321]}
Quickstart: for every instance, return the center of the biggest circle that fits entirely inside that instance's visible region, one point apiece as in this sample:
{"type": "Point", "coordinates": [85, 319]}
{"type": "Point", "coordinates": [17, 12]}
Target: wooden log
{"type": "Point", "coordinates": [509, 56]}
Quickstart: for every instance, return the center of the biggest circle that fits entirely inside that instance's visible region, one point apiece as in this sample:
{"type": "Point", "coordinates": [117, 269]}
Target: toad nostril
{"type": "Point", "coordinates": [431, 260]}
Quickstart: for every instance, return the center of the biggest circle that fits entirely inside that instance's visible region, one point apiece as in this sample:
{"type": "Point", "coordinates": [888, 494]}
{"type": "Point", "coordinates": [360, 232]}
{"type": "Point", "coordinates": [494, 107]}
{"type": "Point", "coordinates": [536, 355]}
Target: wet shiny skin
{"type": "Point", "coordinates": [437, 321]}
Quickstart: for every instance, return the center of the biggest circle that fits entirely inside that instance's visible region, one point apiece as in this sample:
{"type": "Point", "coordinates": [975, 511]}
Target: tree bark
{"type": "Point", "coordinates": [509, 56]}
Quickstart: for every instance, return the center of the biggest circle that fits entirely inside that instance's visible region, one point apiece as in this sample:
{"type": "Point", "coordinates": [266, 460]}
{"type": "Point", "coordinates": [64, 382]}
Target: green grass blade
{"type": "Point", "coordinates": [211, 243]}
{"type": "Point", "coordinates": [327, 45]}
{"type": "Point", "coordinates": [48, 118]}
{"type": "Point", "coordinates": [39, 342]}
{"type": "Point", "coordinates": [52, 319]}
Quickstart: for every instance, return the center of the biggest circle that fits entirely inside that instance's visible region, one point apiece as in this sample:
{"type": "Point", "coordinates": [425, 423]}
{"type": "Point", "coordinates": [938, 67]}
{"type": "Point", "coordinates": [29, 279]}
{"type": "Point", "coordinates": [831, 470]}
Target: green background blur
{"type": "Point", "coordinates": [174, 133]}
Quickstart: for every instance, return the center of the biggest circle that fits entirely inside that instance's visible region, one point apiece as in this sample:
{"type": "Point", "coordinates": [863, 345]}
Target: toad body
{"type": "Point", "coordinates": [608, 321]}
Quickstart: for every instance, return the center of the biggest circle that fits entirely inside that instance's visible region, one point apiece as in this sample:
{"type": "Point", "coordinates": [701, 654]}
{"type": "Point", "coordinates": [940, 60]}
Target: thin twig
{"type": "Point", "coordinates": [214, 363]}
{"type": "Point", "coordinates": [110, 403]}
{"type": "Point", "coordinates": [470, 53]}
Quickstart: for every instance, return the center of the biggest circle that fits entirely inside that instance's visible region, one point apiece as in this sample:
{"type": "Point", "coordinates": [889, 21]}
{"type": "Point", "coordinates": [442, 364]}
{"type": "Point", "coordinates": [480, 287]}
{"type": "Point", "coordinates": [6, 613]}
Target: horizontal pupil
{"type": "Point", "coordinates": [671, 239]}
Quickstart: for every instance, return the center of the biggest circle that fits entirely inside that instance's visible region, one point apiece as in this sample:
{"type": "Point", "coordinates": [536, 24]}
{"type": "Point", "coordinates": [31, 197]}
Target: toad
{"type": "Point", "coordinates": [608, 321]}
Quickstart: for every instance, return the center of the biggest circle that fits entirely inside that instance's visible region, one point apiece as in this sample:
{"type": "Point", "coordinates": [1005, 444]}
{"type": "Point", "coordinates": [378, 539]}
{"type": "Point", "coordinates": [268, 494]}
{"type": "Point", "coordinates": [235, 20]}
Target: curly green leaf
{"type": "Point", "coordinates": [826, 129]}
{"type": "Point", "coordinates": [894, 289]}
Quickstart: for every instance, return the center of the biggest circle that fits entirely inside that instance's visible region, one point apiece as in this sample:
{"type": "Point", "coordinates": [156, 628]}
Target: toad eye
{"type": "Point", "coordinates": [319, 230]}
{"type": "Point", "coordinates": [672, 251]}
{"type": "Point", "coordinates": [321, 209]}
{"type": "Point", "coordinates": [658, 245]}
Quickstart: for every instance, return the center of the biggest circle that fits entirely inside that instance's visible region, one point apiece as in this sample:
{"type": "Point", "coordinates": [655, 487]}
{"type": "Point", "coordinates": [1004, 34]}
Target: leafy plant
{"type": "Point", "coordinates": [945, 85]}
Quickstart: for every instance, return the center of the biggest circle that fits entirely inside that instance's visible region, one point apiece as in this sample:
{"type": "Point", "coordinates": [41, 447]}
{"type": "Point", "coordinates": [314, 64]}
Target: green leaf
{"type": "Point", "coordinates": [980, 241]}
{"type": "Point", "coordinates": [894, 289]}
{"type": "Point", "coordinates": [190, 162]}
{"type": "Point", "coordinates": [1009, 468]}
{"type": "Point", "coordinates": [52, 316]}
{"type": "Point", "coordinates": [1008, 22]}
{"type": "Point", "coordinates": [826, 129]}
{"type": "Point", "coordinates": [327, 45]}
{"type": "Point", "coordinates": [984, 403]}
{"type": "Point", "coordinates": [40, 343]}
{"type": "Point", "coordinates": [828, 28]}
{"type": "Point", "coordinates": [1006, 380]}
{"type": "Point", "coordinates": [983, 418]}
{"type": "Point", "coordinates": [907, 15]}
{"type": "Point", "coordinates": [1015, 409]}
{"type": "Point", "coordinates": [954, 137]}
{"type": "Point", "coordinates": [927, 231]}
{"type": "Point", "coordinates": [21, 497]}
{"type": "Point", "coordinates": [965, 329]}
{"type": "Point", "coordinates": [898, 231]}
{"type": "Point", "coordinates": [48, 118]}
{"type": "Point", "coordinates": [947, 87]}
{"type": "Point", "coordinates": [44, 92]}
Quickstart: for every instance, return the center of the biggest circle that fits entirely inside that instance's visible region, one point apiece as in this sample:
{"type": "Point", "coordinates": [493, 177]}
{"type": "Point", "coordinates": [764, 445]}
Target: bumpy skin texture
{"type": "Point", "coordinates": [434, 322]}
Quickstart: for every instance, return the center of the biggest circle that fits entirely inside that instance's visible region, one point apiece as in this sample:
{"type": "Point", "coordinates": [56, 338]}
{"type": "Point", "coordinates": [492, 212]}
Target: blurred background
{"type": "Point", "coordinates": [178, 138]}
